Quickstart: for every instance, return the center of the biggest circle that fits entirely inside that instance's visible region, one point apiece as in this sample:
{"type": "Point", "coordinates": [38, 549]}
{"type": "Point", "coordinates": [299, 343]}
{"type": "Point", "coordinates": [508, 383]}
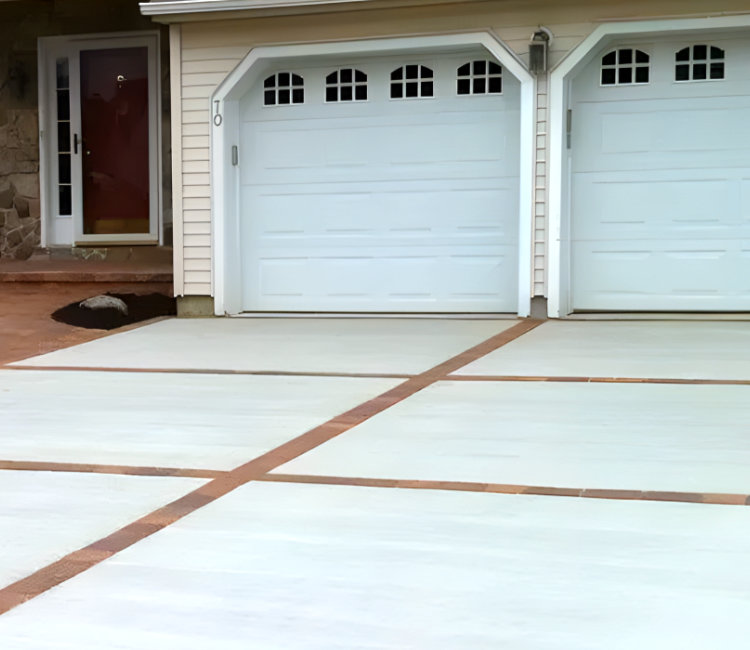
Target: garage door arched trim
{"type": "Point", "coordinates": [559, 283]}
{"type": "Point", "coordinates": [227, 258]}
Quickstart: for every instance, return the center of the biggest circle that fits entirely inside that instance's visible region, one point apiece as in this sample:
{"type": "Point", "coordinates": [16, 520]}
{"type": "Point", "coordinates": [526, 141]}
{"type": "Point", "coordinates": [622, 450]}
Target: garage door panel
{"type": "Point", "coordinates": [687, 275]}
{"type": "Point", "coordinates": [409, 282]}
{"type": "Point", "coordinates": [658, 135]}
{"type": "Point", "coordinates": [634, 205]}
{"type": "Point", "coordinates": [383, 205]}
{"type": "Point", "coordinates": [660, 191]}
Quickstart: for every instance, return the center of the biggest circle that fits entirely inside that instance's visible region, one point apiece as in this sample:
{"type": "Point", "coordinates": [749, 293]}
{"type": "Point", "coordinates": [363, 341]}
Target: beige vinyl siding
{"type": "Point", "coordinates": [212, 48]}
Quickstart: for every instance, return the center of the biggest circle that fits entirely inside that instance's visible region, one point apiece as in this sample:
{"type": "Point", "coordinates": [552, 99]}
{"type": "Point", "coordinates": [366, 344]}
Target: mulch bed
{"type": "Point", "coordinates": [140, 307]}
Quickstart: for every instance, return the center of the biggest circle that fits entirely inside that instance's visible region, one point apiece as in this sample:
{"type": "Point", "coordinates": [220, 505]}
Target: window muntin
{"type": "Point", "coordinates": [625, 67]}
{"type": "Point", "coordinates": [283, 88]}
{"type": "Point", "coordinates": [699, 63]}
{"type": "Point", "coordinates": [64, 180]}
{"type": "Point", "coordinates": [346, 85]}
{"type": "Point", "coordinates": [479, 78]}
{"type": "Point", "coordinates": [412, 81]}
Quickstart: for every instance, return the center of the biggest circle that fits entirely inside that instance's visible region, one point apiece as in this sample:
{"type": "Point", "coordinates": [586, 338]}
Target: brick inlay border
{"type": "Point", "coordinates": [600, 380]}
{"type": "Point", "coordinates": [94, 468]}
{"type": "Point", "coordinates": [79, 561]}
{"type": "Point", "coordinates": [506, 488]}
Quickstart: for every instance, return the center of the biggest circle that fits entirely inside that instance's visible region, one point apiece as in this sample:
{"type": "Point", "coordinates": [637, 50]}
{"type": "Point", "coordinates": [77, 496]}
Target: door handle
{"type": "Point", "coordinates": [75, 143]}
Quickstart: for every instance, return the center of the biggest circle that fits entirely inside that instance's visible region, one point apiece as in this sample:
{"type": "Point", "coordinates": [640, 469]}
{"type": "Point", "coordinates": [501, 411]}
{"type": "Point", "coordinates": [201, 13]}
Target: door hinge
{"type": "Point", "coordinates": [568, 127]}
{"type": "Point", "coordinates": [235, 155]}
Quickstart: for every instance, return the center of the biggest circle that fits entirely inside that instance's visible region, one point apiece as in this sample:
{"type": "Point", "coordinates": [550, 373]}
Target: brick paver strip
{"type": "Point", "coordinates": [601, 380]}
{"type": "Point", "coordinates": [92, 468]}
{"type": "Point", "coordinates": [217, 371]}
{"type": "Point", "coordinates": [87, 557]}
{"type": "Point", "coordinates": [502, 488]}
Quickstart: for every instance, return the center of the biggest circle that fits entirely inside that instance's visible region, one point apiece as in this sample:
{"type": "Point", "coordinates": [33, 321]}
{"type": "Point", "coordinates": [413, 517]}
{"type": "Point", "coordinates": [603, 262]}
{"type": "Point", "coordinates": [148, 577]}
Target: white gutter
{"type": "Point", "coordinates": [175, 7]}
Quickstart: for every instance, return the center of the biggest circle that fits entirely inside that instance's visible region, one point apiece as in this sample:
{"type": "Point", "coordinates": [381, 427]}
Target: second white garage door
{"type": "Point", "coordinates": [385, 184]}
{"type": "Point", "coordinates": [660, 151]}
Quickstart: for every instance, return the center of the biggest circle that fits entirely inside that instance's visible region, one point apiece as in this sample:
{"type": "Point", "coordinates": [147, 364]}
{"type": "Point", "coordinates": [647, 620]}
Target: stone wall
{"type": "Point", "coordinates": [22, 22]}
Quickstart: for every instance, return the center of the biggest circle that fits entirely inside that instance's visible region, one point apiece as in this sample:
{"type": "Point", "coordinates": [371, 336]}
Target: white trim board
{"type": "Point", "coordinates": [226, 258]}
{"type": "Point", "coordinates": [558, 255]}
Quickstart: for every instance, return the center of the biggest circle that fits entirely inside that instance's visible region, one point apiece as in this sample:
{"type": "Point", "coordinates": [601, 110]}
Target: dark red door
{"type": "Point", "coordinates": [115, 138]}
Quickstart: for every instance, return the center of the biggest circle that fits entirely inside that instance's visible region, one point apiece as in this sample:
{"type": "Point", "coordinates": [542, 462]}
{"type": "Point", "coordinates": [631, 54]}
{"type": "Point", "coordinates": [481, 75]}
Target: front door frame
{"type": "Point", "coordinates": [68, 231]}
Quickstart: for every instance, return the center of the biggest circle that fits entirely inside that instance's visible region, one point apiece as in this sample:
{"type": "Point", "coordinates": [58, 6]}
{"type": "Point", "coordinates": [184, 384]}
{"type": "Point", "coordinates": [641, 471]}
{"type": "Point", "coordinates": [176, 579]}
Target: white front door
{"type": "Point", "coordinates": [660, 187]}
{"type": "Point", "coordinates": [99, 109]}
{"type": "Point", "coordinates": [382, 184]}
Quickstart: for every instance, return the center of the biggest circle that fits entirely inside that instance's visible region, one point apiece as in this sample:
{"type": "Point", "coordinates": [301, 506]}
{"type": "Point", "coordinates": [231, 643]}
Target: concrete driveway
{"type": "Point", "coordinates": [379, 483]}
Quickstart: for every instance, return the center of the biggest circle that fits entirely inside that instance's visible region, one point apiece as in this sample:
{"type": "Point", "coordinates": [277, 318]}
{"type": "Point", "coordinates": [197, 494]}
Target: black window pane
{"type": "Point", "coordinates": [284, 79]}
{"type": "Point", "coordinates": [641, 75]}
{"type": "Point", "coordinates": [65, 200]}
{"type": "Point", "coordinates": [298, 96]}
{"type": "Point", "coordinates": [360, 93]}
{"type": "Point", "coordinates": [699, 52]}
{"type": "Point", "coordinates": [465, 70]}
{"type": "Point", "coordinates": [62, 73]}
{"type": "Point", "coordinates": [397, 74]}
{"type": "Point", "coordinates": [270, 82]}
{"type": "Point", "coordinates": [608, 77]}
{"type": "Point", "coordinates": [332, 78]}
{"type": "Point", "coordinates": [479, 86]}
{"type": "Point", "coordinates": [464, 86]}
{"type": "Point", "coordinates": [360, 76]}
{"type": "Point", "coordinates": [346, 94]}
{"type": "Point", "coordinates": [411, 89]}
{"type": "Point", "coordinates": [609, 59]}
{"type": "Point", "coordinates": [412, 71]}
{"type": "Point", "coordinates": [495, 68]}
{"type": "Point", "coordinates": [346, 76]}
{"type": "Point", "coordinates": [63, 168]}
{"type": "Point", "coordinates": [496, 85]}
{"type": "Point", "coordinates": [426, 72]}
{"type": "Point", "coordinates": [641, 57]}
{"type": "Point", "coordinates": [284, 97]}
{"type": "Point", "coordinates": [625, 56]}
{"type": "Point", "coordinates": [717, 53]}
{"type": "Point", "coordinates": [296, 80]}
{"type": "Point", "coordinates": [699, 71]}
{"type": "Point", "coordinates": [683, 55]}
{"type": "Point", "coordinates": [480, 67]}
{"type": "Point", "coordinates": [682, 72]}
{"type": "Point", "coordinates": [63, 105]}
{"type": "Point", "coordinates": [397, 91]}
{"type": "Point", "coordinates": [332, 94]}
{"type": "Point", "coordinates": [625, 75]}
{"type": "Point", "coordinates": [63, 136]}
{"type": "Point", "coordinates": [269, 98]}
{"type": "Point", "coordinates": [717, 70]}
{"type": "Point", "coordinates": [426, 89]}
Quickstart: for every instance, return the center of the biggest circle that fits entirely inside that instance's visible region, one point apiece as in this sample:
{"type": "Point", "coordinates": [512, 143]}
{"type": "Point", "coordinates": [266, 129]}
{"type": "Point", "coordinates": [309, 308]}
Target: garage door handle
{"type": "Point", "coordinates": [235, 155]}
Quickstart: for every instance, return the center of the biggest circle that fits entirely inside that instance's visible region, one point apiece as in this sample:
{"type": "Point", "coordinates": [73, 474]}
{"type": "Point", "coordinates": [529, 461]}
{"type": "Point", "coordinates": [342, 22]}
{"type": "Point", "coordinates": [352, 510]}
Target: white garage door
{"type": "Point", "coordinates": [383, 184]}
{"type": "Point", "coordinates": [660, 151]}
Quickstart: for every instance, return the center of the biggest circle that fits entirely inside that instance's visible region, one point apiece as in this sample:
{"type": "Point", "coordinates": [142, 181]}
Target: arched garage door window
{"type": "Point", "coordinates": [699, 63]}
{"type": "Point", "coordinates": [624, 67]}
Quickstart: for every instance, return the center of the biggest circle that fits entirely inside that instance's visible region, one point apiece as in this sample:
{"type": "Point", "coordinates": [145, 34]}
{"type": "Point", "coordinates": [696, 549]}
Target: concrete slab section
{"type": "Point", "coordinates": [343, 345]}
{"type": "Point", "coordinates": [287, 567]}
{"type": "Point", "coordinates": [675, 349]}
{"type": "Point", "coordinates": [46, 515]}
{"type": "Point", "coordinates": [617, 436]}
{"type": "Point", "coordinates": [168, 420]}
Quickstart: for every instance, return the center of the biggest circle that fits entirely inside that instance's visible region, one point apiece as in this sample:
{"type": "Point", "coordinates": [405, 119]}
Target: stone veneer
{"type": "Point", "coordinates": [19, 184]}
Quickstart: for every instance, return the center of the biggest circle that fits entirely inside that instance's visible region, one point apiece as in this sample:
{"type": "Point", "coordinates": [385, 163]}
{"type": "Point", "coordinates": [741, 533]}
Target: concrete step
{"type": "Point", "coordinates": [115, 264]}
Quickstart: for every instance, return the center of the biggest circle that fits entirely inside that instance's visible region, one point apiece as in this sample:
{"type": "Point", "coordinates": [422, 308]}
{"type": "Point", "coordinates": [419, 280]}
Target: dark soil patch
{"type": "Point", "coordinates": [139, 308]}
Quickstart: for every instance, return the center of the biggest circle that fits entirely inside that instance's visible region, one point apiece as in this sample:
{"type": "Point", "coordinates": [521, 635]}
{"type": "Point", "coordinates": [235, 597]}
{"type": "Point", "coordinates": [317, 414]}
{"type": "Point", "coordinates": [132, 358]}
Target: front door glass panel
{"type": "Point", "coordinates": [115, 141]}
